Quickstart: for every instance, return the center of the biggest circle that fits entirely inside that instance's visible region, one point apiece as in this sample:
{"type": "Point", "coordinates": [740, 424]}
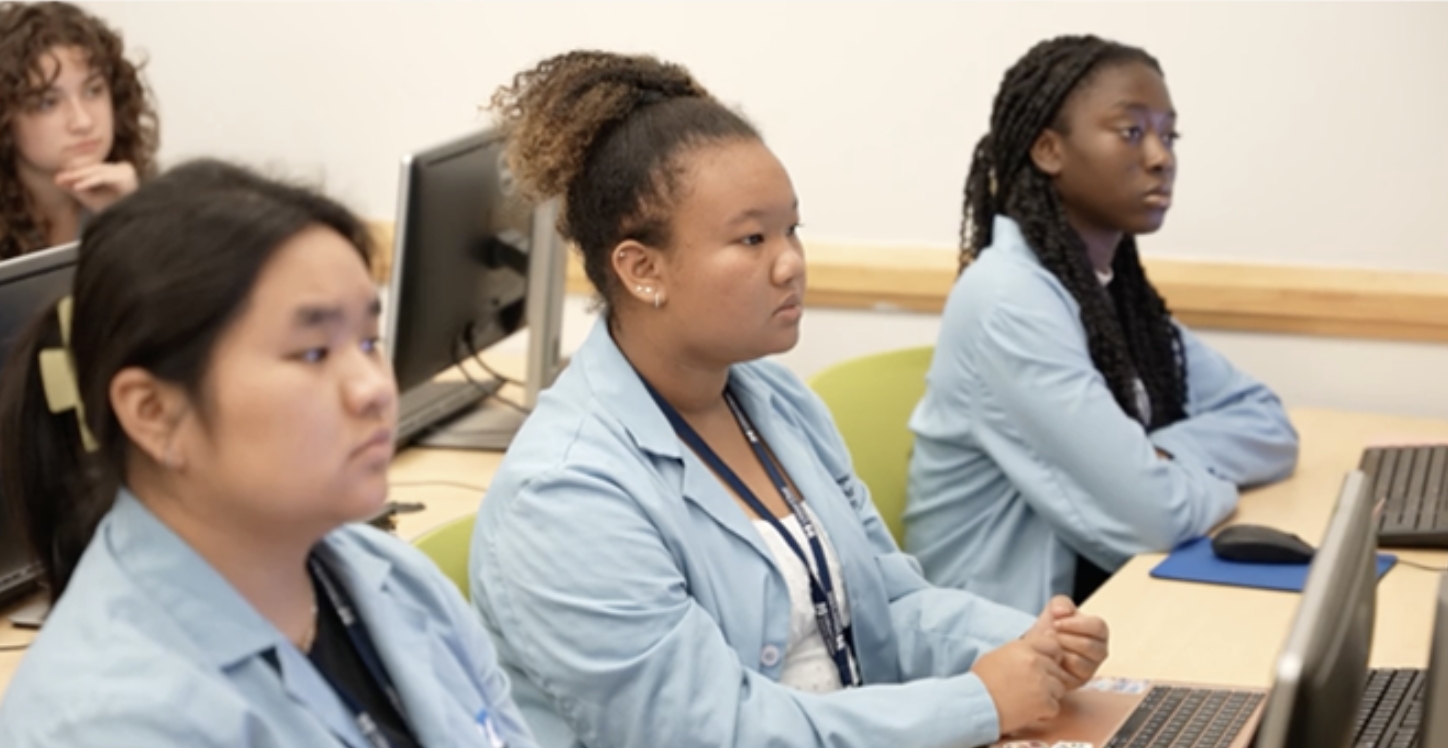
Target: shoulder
{"type": "Point", "coordinates": [793, 401]}
{"type": "Point", "coordinates": [105, 628]}
{"type": "Point", "coordinates": [410, 573]}
{"type": "Point", "coordinates": [360, 541]}
{"type": "Point", "coordinates": [790, 395]}
{"type": "Point", "coordinates": [595, 429]}
{"type": "Point", "coordinates": [1189, 339]}
{"type": "Point", "coordinates": [105, 719]}
{"type": "Point", "coordinates": [1004, 282]}
{"type": "Point", "coordinates": [577, 479]}
{"type": "Point", "coordinates": [1003, 302]}
{"type": "Point", "coordinates": [122, 691]}
{"type": "Point", "coordinates": [115, 663]}
{"type": "Point", "coordinates": [574, 423]}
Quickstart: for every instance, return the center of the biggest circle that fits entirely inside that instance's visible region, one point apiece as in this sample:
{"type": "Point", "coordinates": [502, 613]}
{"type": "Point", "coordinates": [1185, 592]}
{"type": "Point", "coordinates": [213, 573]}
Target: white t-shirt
{"type": "Point", "coordinates": [808, 665]}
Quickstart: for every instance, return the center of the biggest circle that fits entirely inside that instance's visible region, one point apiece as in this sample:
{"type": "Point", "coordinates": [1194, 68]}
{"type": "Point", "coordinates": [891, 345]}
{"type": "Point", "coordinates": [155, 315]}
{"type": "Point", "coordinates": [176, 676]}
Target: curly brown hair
{"type": "Point", "coordinates": [28, 31]}
{"type": "Point", "coordinates": [604, 131]}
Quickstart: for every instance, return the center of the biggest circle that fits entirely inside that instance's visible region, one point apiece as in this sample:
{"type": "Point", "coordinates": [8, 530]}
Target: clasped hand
{"type": "Point", "coordinates": [1028, 678]}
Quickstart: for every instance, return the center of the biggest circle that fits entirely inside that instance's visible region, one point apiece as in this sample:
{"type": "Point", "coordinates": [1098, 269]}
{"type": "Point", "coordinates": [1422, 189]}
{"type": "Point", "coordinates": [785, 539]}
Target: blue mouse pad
{"type": "Point", "coordinates": [1193, 561]}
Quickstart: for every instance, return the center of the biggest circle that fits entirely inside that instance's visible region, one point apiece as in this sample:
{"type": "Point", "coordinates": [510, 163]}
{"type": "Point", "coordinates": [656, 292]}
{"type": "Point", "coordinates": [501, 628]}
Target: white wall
{"type": "Point", "coordinates": [1312, 131]}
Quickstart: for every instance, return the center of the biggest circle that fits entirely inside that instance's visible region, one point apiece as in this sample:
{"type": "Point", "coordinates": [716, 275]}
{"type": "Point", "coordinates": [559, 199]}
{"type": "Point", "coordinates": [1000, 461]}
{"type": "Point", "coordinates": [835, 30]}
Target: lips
{"type": "Point", "coordinates": [1158, 198]}
{"type": "Point", "coordinates": [792, 305]}
{"type": "Point", "coordinates": [380, 439]}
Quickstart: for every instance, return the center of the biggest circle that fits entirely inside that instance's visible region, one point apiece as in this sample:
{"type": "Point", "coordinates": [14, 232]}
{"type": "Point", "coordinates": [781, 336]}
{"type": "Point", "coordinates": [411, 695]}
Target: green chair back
{"type": "Point", "coordinates": [871, 399]}
{"type": "Point", "coordinates": [448, 547]}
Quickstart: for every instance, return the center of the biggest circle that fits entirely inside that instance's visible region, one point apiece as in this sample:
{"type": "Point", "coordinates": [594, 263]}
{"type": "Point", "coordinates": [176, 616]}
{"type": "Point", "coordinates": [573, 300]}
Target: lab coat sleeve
{"type": "Point", "coordinates": [1236, 428]}
{"type": "Point", "coordinates": [941, 631]}
{"type": "Point", "coordinates": [587, 591]}
{"type": "Point", "coordinates": [502, 711]}
{"type": "Point", "coordinates": [1080, 461]}
{"type": "Point", "coordinates": [104, 720]}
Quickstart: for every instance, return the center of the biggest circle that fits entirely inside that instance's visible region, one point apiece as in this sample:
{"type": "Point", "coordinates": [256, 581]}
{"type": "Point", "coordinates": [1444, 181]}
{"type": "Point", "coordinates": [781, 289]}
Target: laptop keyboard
{"type": "Point", "coordinates": [1172, 717]}
{"type": "Point", "coordinates": [1391, 709]}
{"type": "Point", "coordinates": [430, 403]}
{"type": "Point", "coordinates": [1389, 715]}
{"type": "Point", "coordinates": [1410, 481]}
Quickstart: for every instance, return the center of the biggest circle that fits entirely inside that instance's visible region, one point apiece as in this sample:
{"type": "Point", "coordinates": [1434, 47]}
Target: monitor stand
{"type": "Point", "coordinates": [490, 427]}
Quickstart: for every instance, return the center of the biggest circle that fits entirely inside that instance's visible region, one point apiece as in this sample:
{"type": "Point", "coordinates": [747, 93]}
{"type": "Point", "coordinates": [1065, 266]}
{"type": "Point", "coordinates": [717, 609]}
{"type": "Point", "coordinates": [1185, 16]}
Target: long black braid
{"type": "Point", "coordinates": [1128, 330]}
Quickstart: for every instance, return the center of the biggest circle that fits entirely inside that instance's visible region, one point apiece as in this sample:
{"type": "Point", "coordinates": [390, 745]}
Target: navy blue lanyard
{"type": "Point", "coordinates": [339, 600]}
{"type": "Point", "coordinates": [821, 586]}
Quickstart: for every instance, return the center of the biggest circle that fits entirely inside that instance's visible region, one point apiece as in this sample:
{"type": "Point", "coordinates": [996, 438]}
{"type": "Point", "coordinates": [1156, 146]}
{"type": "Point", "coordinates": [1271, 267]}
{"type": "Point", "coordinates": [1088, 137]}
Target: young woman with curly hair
{"type": "Point", "coordinates": [78, 129]}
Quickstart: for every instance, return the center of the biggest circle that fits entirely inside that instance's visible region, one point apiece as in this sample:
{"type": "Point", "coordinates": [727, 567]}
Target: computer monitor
{"type": "Point", "coordinates": [473, 263]}
{"type": "Point", "coordinates": [1435, 694]}
{"type": "Point", "coordinates": [28, 284]}
{"type": "Point", "coordinates": [1322, 670]}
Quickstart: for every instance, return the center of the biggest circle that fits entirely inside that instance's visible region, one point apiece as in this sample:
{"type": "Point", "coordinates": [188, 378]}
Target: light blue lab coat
{"type": "Point", "coordinates": [1023, 459]}
{"type": "Point", "coordinates": [151, 647]}
{"type": "Point", "coordinates": [634, 603]}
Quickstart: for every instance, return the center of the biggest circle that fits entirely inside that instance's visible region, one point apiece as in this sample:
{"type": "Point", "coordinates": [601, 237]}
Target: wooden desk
{"type": "Point", "coordinates": [11, 637]}
{"type": "Point", "coordinates": [1159, 629]}
{"type": "Point", "coordinates": [450, 482]}
{"type": "Point", "coordinates": [1198, 632]}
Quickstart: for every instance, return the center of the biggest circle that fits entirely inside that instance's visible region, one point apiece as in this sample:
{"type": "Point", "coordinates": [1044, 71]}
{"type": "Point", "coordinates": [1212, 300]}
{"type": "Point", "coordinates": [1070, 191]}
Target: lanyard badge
{"type": "Point", "coordinates": [485, 727]}
{"type": "Point", "coordinates": [829, 620]}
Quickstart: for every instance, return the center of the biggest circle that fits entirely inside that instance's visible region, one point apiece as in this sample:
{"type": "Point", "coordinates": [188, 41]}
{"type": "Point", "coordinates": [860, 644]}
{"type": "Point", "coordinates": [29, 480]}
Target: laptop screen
{"type": "Point", "coordinates": [1435, 696]}
{"type": "Point", "coordinates": [1321, 672]}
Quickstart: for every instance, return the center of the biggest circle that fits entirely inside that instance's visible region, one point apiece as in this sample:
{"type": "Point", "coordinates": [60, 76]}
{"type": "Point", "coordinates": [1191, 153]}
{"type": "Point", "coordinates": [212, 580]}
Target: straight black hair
{"type": "Point", "coordinates": [161, 275]}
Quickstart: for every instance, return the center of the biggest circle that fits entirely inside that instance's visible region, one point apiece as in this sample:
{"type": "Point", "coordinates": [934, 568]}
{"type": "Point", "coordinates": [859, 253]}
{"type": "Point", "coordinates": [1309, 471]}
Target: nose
{"type": "Point", "coordinates": [1159, 156]}
{"type": "Point", "coordinates": [80, 115]}
{"type": "Point", "coordinates": [369, 388]}
{"type": "Point", "coordinates": [789, 266]}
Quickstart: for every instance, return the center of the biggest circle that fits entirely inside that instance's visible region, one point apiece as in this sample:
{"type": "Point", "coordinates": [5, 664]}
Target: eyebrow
{"type": "Point", "coordinates": [310, 316]}
{"type": "Point", "coordinates": [757, 213]}
{"type": "Point", "coordinates": [54, 85]}
{"type": "Point", "coordinates": [1140, 107]}
{"type": "Point", "coordinates": [317, 316]}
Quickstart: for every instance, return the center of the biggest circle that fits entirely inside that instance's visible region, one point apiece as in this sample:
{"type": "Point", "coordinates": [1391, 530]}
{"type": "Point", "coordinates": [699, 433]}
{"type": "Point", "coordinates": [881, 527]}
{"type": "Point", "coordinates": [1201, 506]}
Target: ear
{"type": "Point", "coordinates": [151, 413]}
{"type": "Point", "coordinates": [640, 270]}
{"type": "Point", "coordinates": [1048, 153]}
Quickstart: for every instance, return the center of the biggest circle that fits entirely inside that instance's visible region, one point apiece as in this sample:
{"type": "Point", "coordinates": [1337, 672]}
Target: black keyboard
{"type": "Point", "coordinates": [1391, 709]}
{"type": "Point", "coordinates": [1170, 716]}
{"type": "Point", "coordinates": [1410, 481]}
{"type": "Point", "coordinates": [432, 403]}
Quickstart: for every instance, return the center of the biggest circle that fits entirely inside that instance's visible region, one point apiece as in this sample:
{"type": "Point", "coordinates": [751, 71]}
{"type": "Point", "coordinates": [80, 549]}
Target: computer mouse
{"type": "Point", "coordinates": [1259, 544]}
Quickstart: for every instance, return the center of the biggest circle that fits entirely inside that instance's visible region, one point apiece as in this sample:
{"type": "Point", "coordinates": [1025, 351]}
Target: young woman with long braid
{"type": "Point", "coordinates": [1069, 422]}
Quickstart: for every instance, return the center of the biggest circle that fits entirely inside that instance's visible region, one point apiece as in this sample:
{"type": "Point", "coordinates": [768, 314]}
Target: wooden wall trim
{"type": "Point", "coordinates": [1222, 295]}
